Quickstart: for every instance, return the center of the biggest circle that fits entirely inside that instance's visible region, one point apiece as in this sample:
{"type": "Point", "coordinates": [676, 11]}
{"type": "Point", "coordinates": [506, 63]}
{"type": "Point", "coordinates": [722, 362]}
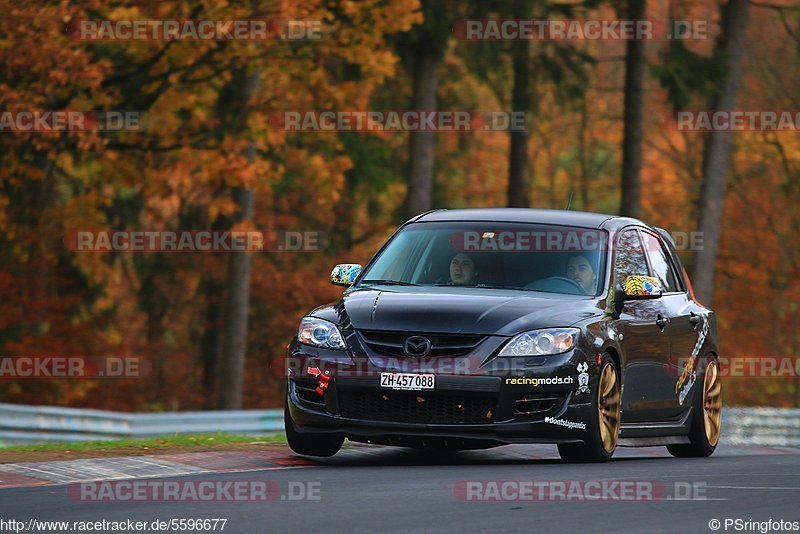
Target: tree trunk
{"type": "Point", "coordinates": [716, 160]}
{"type": "Point", "coordinates": [237, 304]}
{"type": "Point", "coordinates": [234, 348]}
{"type": "Point", "coordinates": [583, 156]}
{"type": "Point", "coordinates": [634, 115]}
{"type": "Point", "coordinates": [422, 145]}
{"type": "Point", "coordinates": [211, 340]}
{"type": "Point", "coordinates": [518, 189]}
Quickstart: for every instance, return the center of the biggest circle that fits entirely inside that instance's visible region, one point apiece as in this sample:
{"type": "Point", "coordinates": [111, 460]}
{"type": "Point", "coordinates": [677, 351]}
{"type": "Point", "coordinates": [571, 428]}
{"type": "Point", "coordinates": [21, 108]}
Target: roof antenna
{"type": "Point", "coordinates": [569, 202]}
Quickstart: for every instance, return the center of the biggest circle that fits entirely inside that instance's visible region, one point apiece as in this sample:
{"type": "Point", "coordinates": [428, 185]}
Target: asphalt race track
{"type": "Point", "coordinates": [381, 489]}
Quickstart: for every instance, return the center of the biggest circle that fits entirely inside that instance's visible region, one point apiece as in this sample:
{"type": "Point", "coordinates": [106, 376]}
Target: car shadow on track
{"type": "Point", "coordinates": [374, 456]}
{"type": "Point", "coordinates": [356, 454]}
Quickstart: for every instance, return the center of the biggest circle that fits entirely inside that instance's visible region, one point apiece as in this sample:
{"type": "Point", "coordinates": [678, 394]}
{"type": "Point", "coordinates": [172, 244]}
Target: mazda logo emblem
{"type": "Point", "coordinates": [417, 346]}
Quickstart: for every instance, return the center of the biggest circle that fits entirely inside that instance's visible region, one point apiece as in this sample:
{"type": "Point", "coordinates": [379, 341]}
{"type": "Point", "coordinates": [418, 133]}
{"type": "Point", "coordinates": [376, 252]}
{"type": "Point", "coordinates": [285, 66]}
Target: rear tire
{"type": "Point", "coordinates": [706, 417]}
{"type": "Point", "coordinates": [602, 431]}
{"type": "Point", "coordinates": [310, 444]}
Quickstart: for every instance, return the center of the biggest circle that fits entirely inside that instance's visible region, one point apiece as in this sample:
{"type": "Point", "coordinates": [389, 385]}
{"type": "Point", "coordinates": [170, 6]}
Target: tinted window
{"type": "Point", "coordinates": [662, 269]}
{"type": "Point", "coordinates": [630, 260]}
{"type": "Point", "coordinates": [516, 256]}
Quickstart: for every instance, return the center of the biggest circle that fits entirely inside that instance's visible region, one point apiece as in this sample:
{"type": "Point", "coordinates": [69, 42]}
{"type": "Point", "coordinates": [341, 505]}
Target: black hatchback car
{"type": "Point", "coordinates": [482, 327]}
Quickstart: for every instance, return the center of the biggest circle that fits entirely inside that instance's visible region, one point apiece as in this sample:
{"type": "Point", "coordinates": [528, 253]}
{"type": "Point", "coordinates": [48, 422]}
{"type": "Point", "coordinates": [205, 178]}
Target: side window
{"type": "Point", "coordinates": [662, 269]}
{"type": "Point", "coordinates": [629, 259]}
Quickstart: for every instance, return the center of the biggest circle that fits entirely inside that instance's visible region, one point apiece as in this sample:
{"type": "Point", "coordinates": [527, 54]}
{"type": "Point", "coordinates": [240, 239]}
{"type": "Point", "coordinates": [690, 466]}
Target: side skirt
{"type": "Point", "coordinates": [652, 442]}
{"type": "Point", "coordinates": [654, 434]}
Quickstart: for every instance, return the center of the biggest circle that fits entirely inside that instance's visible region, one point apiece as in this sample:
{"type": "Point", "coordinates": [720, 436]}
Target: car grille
{"type": "Point", "coordinates": [391, 343]}
{"type": "Point", "coordinates": [538, 403]}
{"type": "Point", "coordinates": [416, 407]}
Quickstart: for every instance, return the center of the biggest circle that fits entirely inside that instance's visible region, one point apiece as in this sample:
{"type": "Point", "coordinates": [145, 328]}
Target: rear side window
{"type": "Point", "coordinates": [662, 268]}
{"type": "Point", "coordinates": [629, 259]}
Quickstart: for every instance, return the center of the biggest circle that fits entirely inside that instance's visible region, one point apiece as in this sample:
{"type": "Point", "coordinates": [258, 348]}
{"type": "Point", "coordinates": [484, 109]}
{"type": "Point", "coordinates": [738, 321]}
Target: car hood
{"type": "Point", "coordinates": [455, 310]}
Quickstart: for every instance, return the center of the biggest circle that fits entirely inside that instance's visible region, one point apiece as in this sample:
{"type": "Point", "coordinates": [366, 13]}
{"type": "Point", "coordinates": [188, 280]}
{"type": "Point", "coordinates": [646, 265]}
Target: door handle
{"type": "Point", "coordinates": [695, 320]}
{"type": "Point", "coordinates": [662, 322]}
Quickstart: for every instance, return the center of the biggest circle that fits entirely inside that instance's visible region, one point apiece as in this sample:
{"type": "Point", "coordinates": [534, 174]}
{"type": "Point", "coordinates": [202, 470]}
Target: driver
{"type": "Point", "coordinates": [580, 270]}
{"type": "Point", "coordinates": [462, 270]}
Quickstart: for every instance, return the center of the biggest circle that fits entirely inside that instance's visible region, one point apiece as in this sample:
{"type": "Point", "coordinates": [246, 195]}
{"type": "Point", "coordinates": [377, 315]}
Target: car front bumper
{"type": "Point", "coordinates": [466, 410]}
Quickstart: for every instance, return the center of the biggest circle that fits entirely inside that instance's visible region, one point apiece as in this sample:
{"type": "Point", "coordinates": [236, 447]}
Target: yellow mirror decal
{"type": "Point", "coordinates": [345, 273]}
{"type": "Point", "coordinates": [642, 285]}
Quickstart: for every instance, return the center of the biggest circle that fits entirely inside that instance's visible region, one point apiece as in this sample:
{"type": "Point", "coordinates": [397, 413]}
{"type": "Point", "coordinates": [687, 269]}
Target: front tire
{"type": "Point", "coordinates": [310, 444]}
{"type": "Point", "coordinates": [602, 432]}
{"type": "Point", "coordinates": [706, 417]}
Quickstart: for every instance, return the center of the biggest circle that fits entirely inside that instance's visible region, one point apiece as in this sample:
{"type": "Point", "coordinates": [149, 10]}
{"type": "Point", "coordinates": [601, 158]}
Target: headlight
{"type": "Point", "coordinates": [320, 333]}
{"type": "Point", "coordinates": [541, 342]}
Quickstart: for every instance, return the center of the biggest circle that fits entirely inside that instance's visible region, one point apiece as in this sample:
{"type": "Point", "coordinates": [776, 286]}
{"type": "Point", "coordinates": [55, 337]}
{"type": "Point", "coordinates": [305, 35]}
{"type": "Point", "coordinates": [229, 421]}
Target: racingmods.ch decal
{"type": "Point", "coordinates": [689, 374]}
{"type": "Point", "coordinates": [535, 382]}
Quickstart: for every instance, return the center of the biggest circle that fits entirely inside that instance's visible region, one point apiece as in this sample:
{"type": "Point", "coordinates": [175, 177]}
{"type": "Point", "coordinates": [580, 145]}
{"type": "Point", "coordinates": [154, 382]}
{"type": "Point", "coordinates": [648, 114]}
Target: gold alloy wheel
{"type": "Point", "coordinates": [712, 403]}
{"type": "Point", "coordinates": [608, 407]}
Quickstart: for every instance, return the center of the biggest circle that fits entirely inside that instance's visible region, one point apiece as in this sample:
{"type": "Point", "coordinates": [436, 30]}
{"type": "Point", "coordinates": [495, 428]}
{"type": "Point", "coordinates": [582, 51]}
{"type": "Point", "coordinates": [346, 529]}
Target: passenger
{"type": "Point", "coordinates": [580, 270]}
{"type": "Point", "coordinates": [462, 270]}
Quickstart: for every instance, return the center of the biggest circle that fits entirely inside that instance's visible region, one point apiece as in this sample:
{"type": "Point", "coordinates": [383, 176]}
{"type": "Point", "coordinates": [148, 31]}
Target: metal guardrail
{"type": "Point", "coordinates": [776, 427]}
{"type": "Point", "coordinates": [20, 424]}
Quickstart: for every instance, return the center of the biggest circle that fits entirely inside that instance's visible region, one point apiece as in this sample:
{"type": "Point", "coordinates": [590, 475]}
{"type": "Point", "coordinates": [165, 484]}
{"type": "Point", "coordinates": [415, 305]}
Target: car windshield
{"type": "Point", "coordinates": [524, 257]}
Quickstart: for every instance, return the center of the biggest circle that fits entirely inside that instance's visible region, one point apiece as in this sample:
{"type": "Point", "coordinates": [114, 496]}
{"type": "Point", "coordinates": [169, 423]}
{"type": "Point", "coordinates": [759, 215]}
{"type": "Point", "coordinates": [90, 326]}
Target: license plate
{"type": "Point", "coordinates": [407, 381]}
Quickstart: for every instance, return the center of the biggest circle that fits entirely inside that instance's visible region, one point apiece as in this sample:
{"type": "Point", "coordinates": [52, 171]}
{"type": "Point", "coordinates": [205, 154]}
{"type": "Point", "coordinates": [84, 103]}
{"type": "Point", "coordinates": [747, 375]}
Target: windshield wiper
{"type": "Point", "coordinates": [388, 282]}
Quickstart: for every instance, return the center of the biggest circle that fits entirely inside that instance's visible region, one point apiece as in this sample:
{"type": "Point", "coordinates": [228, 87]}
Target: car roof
{"type": "Point", "coordinates": [583, 219]}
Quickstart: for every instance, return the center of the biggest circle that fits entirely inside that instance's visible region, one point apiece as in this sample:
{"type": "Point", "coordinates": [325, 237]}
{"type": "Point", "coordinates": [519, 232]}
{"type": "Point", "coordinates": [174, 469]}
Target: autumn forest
{"type": "Point", "coordinates": [212, 327]}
